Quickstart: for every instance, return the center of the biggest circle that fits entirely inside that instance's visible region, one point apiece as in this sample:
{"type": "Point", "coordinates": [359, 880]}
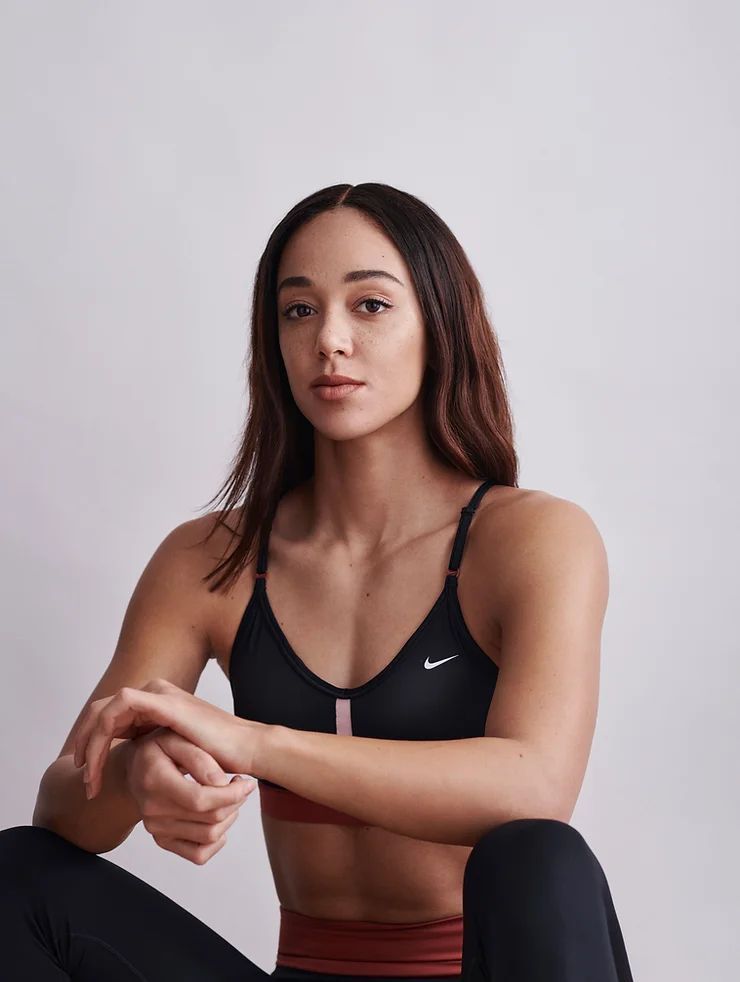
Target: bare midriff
{"type": "Point", "coordinates": [383, 903]}
{"type": "Point", "coordinates": [363, 873]}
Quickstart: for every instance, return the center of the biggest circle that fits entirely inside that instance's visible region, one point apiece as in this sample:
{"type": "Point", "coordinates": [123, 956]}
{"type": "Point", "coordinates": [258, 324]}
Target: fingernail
{"type": "Point", "coordinates": [88, 791]}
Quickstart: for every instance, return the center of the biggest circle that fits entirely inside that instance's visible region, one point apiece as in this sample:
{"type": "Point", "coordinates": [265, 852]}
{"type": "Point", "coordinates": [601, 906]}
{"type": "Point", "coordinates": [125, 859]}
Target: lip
{"type": "Point", "coordinates": [334, 379]}
{"type": "Point", "coordinates": [331, 393]}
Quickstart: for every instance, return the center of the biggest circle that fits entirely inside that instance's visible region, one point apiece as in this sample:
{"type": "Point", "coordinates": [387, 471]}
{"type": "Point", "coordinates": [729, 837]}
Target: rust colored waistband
{"type": "Point", "coordinates": [422, 948]}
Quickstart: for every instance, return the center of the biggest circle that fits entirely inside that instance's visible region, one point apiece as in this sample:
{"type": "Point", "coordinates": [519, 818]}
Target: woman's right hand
{"type": "Point", "coordinates": [186, 817]}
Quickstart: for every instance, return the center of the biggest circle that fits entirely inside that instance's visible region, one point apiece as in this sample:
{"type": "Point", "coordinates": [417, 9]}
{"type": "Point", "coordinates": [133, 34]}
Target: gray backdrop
{"type": "Point", "coordinates": [584, 154]}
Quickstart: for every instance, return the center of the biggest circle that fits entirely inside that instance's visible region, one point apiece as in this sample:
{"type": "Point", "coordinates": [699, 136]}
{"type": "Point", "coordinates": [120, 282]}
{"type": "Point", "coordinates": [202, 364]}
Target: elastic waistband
{"type": "Point", "coordinates": [318, 944]}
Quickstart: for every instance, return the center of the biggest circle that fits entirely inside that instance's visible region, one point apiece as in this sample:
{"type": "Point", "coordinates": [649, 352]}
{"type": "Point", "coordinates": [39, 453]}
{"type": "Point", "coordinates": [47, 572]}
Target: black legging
{"type": "Point", "coordinates": [536, 908]}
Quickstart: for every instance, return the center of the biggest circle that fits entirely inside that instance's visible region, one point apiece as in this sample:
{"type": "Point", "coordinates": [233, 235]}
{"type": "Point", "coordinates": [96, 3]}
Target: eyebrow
{"type": "Point", "coordinates": [351, 277]}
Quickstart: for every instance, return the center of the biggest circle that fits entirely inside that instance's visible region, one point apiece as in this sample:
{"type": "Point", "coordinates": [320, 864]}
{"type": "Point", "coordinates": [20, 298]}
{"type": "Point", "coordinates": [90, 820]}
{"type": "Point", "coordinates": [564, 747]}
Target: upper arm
{"type": "Point", "coordinates": [163, 634]}
{"type": "Point", "coordinates": [552, 610]}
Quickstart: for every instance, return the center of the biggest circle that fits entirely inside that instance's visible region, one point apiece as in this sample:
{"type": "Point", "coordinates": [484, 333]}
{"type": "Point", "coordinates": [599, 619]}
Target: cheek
{"type": "Point", "coordinates": [407, 354]}
{"type": "Point", "coordinates": [291, 349]}
{"type": "Point", "coordinates": [398, 368]}
{"type": "Point", "coordinates": [400, 342]}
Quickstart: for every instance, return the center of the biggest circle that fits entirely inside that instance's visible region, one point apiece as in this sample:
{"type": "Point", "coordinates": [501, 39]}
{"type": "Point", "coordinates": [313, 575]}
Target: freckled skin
{"type": "Point", "coordinates": [370, 448]}
{"type": "Point", "coordinates": [384, 348]}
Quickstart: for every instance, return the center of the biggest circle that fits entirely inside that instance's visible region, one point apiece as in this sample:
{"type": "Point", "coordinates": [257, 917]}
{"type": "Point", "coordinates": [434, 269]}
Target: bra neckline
{"type": "Point", "coordinates": [338, 691]}
{"type": "Point", "coordinates": [447, 595]}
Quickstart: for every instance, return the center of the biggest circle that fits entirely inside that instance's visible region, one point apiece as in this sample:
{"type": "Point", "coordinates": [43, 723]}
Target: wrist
{"type": "Point", "coordinates": [264, 748]}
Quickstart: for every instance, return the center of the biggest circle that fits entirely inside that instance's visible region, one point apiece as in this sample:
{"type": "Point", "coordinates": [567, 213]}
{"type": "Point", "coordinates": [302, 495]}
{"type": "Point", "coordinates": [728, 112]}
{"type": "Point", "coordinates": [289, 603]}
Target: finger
{"type": "Point", "coordinates": [200, 800]}
{"type": "Point", "coordinates": [193, 831]}
{"type": "Point", "coordinates": [190, 796]}
{"type": "Point", "coordinates": [201, 765]}
{"type": "Point", "coordinates": [196, 853]}
{"type": "Point", "coordinates": [98, 746]}
{"type": "Point", "coordinates": [126, 707]}
{"type": "Point", "coordinates": [89, 719]}
{"type": "Point", "coordinates": [205, 769]}
{"type": "Point", "coordinates": [223, 811]}
{"type": "Point", "coordinates": [83, 731]}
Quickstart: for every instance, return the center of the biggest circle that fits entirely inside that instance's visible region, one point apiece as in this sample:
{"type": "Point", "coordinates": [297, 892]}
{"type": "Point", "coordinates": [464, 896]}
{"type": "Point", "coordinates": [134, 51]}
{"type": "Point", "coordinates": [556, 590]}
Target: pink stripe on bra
{"type": "Point", "coordinates": [344, 716]}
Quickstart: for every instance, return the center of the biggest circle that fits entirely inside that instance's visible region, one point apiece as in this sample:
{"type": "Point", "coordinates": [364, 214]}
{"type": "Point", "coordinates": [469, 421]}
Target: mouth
{"type": "Point", "coordinates": [332, 391]}
{"type": "Point", "coordinates": [334, 380]}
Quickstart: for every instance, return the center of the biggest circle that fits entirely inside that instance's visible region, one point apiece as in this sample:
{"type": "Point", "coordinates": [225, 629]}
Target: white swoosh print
{"type": "Point", "coordinates": [433, 664]}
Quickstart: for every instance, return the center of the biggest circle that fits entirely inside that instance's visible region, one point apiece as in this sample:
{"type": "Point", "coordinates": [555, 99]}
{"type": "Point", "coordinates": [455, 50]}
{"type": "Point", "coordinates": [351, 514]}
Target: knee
{"type": "Point", "coordinates": [529, 851]}
{"type": "Point", "coordinates": [19, 839]}
{"type": "Point", "coordinates": [25, 848]}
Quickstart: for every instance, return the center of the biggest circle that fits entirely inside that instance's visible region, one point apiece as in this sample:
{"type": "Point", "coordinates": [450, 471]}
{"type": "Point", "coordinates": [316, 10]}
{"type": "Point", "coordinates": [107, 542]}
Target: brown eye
{"type": "Point", "coordinates": [383, 303]}
{"type": "Point", "coordinates": [298, 304]}
{"type": "Point", "coordinates": [295, 306]}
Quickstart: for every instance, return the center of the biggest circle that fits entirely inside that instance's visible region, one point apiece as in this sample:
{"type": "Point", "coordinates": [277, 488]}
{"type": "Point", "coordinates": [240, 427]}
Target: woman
{"type": "Point", "coordinates": [420, 726]}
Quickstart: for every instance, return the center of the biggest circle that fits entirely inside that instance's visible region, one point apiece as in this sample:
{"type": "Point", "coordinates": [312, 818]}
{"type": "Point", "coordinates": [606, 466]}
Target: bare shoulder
{"type": "Point", "coordinates": [198, 545]}
{"type": "Point", "coordinates": [164, 631]}
{"type": "Point", "coordinates": [192, 547]}
{"type": "Point", "coordinates": [174, 584]}
{"type": "Point", "coordinates": [170, 588]}
{"type": "Point", "coordinates": [525, 537]}
{"type": "Point", "coordinates": [525, 521]}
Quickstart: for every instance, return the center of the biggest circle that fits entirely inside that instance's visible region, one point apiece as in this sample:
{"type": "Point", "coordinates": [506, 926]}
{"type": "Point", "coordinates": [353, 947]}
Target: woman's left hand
{"type": "Point", "coordinates": [131, 712]}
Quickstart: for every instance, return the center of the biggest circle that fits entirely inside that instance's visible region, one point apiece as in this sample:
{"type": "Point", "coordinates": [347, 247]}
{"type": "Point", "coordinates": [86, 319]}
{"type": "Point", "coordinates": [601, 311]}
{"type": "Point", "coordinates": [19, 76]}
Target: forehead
{"type": "Point", "coordinates": [332, 243]}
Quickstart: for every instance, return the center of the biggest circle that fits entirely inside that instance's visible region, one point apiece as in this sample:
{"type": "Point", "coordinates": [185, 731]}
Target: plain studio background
{"type": "Point", "coordinates": [586, 154]}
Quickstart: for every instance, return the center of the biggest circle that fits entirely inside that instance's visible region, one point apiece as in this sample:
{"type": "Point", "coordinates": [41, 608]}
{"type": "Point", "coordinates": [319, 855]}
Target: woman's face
{"type": "Point", "coordinates": [369, 328]}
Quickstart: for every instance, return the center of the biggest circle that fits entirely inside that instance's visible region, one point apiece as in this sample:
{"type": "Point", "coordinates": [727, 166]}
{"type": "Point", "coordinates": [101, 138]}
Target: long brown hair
{"type": "Point", "coordinates": [464, 397]}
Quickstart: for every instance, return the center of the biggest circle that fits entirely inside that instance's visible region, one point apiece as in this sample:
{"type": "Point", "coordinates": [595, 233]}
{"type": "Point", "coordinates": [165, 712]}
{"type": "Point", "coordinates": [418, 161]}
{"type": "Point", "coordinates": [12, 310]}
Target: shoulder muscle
{"type": "Point", "coordinates": [551, 610]}
{"type": "Point", "coordinates": [163, 634]}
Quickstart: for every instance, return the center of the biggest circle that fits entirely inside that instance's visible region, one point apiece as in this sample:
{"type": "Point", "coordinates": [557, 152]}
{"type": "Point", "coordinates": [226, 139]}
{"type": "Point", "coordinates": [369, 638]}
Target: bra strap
{"type": "Point", "coordinates": [466, 517]}
{"type": "Point", "coordinates": [261, 568]}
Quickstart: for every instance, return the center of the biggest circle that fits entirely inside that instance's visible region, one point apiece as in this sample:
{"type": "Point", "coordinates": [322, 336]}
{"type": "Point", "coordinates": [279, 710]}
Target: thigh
{"type": "Point", "coordinates": [71, 914]}
{"type": "Point", "coordinates": [537, 905]}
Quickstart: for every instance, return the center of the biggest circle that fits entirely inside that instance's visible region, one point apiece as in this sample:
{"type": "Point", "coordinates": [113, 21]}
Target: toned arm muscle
{"type": "Point", "coordinates": [163, 634]}
{"type": "Point", "coordinates": [552, 610]}
{"type": "Point", "coordinates": [547, 585]}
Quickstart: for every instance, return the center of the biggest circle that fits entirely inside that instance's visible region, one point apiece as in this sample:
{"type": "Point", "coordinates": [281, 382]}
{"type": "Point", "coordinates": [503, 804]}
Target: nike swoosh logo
{"type": "Point", "coordinates": [433, 664]}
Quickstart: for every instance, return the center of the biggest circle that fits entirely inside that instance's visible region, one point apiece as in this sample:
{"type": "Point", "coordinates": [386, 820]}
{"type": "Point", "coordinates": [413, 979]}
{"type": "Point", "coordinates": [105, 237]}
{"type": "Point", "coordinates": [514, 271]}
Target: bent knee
{"type": "Point", "coordinates": [26, 847]}
{"type": "Point", "coordinates": [524, 843]}
{"type": "Point", "coordinates": [22, 837]}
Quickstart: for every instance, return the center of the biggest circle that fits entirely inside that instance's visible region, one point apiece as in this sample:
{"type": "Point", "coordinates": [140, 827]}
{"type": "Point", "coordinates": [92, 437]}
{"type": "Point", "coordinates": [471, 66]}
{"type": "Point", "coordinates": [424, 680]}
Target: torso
{"type": "Point", "coordinates": [347, 628]}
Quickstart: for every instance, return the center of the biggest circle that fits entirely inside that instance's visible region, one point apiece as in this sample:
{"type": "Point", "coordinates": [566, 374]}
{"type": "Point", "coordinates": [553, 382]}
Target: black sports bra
{"type": "Point", "coordinates": [437, 687]}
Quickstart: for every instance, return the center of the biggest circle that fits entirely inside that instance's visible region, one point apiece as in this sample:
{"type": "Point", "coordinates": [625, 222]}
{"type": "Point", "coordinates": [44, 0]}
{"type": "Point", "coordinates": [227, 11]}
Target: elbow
{"type": "Point", "coordinates": [546, 797]}
{"type": "Point", "coordinates": [560, 813]}
{"type": "Point", "coordinates": [554, 802]}
{"type": "Point", "coordinates": [554, 793]}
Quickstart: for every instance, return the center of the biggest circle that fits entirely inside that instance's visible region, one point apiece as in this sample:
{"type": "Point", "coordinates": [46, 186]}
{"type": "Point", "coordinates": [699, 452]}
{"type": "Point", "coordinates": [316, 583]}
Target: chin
{"type": "Point", "coordinates": [347, 426]}
{"type": "Point", "coordinates": [343, 430]}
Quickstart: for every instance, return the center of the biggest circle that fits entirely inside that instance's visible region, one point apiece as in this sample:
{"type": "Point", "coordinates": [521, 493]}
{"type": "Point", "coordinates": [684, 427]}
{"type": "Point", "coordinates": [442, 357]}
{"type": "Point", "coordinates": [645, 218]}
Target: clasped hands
{"type": "Point", "coordinates": [230, 740]}
{"type": "Point", "coordinates": [178, 734]}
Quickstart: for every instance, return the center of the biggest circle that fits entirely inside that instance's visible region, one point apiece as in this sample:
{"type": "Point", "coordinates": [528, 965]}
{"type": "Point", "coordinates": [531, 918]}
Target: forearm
{"type": "Point", "coordinates": [98, 825]}
{"type": "Point", "coordinates": [442, 791]}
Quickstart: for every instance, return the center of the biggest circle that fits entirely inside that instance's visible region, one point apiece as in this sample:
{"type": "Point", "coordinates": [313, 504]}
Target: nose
{"type": "Point", "coordinates": [333, 337]}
